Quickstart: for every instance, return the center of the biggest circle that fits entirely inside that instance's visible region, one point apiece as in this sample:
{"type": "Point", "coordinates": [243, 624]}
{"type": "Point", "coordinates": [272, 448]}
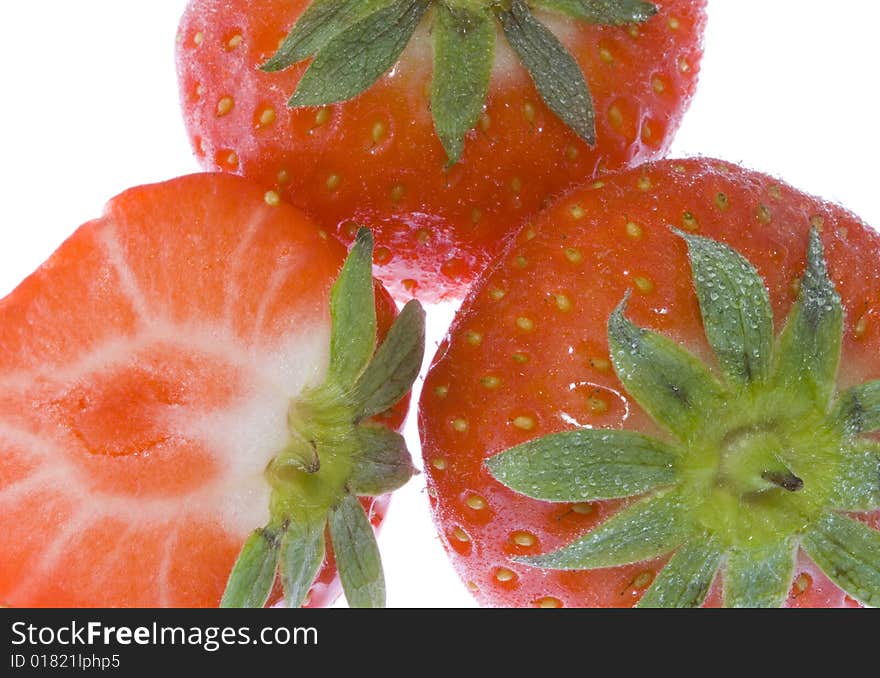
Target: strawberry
{"type": "Point", "coordinates": [666, 392]}
{"type": "Point", "coordinates": [439, 124]}
{"type": "Point", "coordinates": [179, 375]}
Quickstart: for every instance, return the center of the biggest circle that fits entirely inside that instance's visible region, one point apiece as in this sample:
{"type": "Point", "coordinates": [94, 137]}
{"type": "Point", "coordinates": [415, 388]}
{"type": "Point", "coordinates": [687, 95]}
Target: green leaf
{"type": "Point", "coordinates": [808, 350]}
{"type": "Point", "coordinates": [392, 371]}
{"type": "Point", "coordinates": [857, 481]}
{"type": "Point", "coordinates": [301, 556]}
{"type": "Point", "coordinates": [673, 386]}
{"type": "Point", "coordinates": [358, 56]}
{"type": "Point", "coordinates": [614, 12]}
{"type": "Point", "coordinates": [556, 74]}
{"type": "Point", "coordinates": [585, 465]}
{"type": "Point", "coordinates": [687, 577]}
{"type": "Point", "coordinates": [736, 310]}
{"type": "Point", "coordinates": [650, 528]}
{"type": "Point", "coordinates": [253, 575]}
{"type": "Point", "coordinates": [464, 44]}
{"type": "Point", "coordinates": [320, 23]}
{"type": "Point", "coordinates": [353, 314]}
{"type": "Point", "coordinates": [759, 577]}
{"type": "Point", "coordinates": [382, 463]}
{"type": "Point", "coordinates": [357, 554]}
{"type": "Point", "coordinates": [858, 409]}
{"type": "Point", "coordinates": [849, 553]}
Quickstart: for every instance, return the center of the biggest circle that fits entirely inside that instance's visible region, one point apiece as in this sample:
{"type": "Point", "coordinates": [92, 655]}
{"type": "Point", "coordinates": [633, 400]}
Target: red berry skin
{"type": "Point", "coordinates": [376, 160]}
{"type": "Point", "coordinates": [528, 355]}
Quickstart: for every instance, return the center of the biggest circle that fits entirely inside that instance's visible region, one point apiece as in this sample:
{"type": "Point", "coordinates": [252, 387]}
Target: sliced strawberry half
{"type": "Point", "coordinates": [164, 377]}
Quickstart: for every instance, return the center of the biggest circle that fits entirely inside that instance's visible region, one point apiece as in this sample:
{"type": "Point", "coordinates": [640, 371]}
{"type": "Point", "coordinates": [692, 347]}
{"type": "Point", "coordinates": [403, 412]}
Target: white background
{"type": "Point", "coordinates": [89, 108]}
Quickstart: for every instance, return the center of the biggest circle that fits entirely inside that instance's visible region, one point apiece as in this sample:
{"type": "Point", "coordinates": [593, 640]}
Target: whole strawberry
{"type": "Point", "coordinates": [199, 408]}
{"type": "Point", "coordinates": [440, 124]}
{"type": "Point", "coordinates": [666, 392]}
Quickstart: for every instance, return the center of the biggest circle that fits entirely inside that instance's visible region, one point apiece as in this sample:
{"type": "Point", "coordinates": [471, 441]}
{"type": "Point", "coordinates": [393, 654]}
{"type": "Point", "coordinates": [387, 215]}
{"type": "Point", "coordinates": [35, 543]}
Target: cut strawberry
{"type": "Point", "coordinates": [151, 370]}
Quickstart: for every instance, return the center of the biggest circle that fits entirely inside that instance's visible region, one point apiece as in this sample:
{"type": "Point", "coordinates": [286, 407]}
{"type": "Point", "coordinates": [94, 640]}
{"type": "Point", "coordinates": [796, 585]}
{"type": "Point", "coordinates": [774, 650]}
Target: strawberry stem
{"type": "Point", "coordinates": [335, 454]}
{"type": "Point", "coordinates": [300, 454]}
{"type": "Point", "coordinates": [785, 479]}
{"type": "Point", "coordinates": [354, 42]}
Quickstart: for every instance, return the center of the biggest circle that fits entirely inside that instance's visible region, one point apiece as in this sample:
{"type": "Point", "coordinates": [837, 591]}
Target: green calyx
{"type": "Point", "coordinates": [354, 42]}
{"type": "Point", "coordinates": [763, 456]}
{"type": "Point", "coordinates": [336, 454]}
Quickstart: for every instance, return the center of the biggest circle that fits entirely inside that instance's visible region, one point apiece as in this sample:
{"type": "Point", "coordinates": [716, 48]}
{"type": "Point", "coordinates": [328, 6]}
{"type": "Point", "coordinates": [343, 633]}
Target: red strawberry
{"type": "Point", "coordinates": [166, 392]}
{"type": "Point", "coordinates": [624, 413]}
{"type": "Point", "coordinates": [360, 145]}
